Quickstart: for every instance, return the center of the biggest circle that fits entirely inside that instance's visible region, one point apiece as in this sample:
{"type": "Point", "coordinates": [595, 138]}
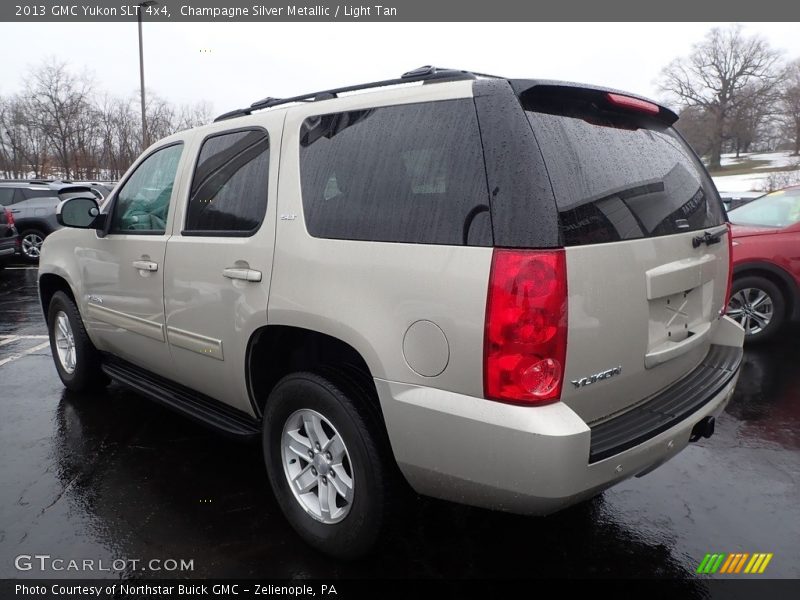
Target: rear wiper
{"type": "Point", "coordinates": [707, 239]}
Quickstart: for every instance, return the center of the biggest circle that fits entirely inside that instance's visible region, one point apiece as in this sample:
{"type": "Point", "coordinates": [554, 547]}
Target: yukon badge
{"type": "Point", "coordinates": [584, 381]}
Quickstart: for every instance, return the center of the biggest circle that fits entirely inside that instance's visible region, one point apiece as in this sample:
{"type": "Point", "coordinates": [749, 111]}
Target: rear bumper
{"type": "Point", "coordinates": [519, 459]}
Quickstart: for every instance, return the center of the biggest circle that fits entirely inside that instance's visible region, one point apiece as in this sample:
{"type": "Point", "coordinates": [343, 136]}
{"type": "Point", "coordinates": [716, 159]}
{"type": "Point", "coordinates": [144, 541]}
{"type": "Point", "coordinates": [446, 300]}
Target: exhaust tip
{"type": "Point", "coordinates": [703, 429]}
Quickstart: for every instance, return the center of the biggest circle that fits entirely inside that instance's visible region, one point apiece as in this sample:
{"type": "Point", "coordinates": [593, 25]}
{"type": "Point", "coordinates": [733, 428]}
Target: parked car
{"type": "Point", "coordinates": [766, 255]}
{"type": "Point", "coordinates": [9, 240]}
{"type": "Point", "coordinates": [33, 204]}
{"type": "Point", "coordinates": [511, 290]}
{"type": "Point", "coordinates": [733, 200]}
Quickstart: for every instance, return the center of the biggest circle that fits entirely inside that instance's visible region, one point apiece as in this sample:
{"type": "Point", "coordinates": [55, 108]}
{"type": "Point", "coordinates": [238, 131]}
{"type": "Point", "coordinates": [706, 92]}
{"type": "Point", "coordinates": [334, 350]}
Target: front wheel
{"type": "Point", "coordinates": [77, 360]}
{"type": "Point", "coordinates": [758, 306]}
{"type": "Point", "coordinates": [327, 465]}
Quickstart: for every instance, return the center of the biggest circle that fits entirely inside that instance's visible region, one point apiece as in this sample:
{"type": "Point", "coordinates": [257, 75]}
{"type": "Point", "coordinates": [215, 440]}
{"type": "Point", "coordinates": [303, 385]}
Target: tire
{"type": "Point", "coordinates": [360, 522]}
{"type": "Point", "coordinates": [758, 305]}
{"type": "Point", "coordinates": [31, 245]}
{"type": "Point", "coordinates": [82, 371]}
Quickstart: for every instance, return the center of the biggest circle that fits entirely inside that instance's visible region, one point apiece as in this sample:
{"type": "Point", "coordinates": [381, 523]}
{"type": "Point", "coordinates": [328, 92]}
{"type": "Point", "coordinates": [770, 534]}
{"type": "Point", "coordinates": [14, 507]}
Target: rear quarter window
{"type": "Point", "coordinates": [28, 193]}
{"type": "Point", "coordinates": [6, 196]}
{"type": "Point", "coordinates": [621, 177]}
{"type": "Point", "coordinates": [411, 173]}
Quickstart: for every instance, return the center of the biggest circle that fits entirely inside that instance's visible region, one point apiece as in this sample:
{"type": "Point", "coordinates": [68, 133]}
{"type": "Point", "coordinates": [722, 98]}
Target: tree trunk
{"type": "Point", "coordinates": [716, 155]}
{"type": "Point", "coordinates": [797, 142]}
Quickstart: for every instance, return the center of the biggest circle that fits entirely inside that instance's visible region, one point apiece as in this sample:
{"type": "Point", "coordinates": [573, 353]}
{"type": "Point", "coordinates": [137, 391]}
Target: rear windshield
{"type": "Point", "coordinates": [620, 177]}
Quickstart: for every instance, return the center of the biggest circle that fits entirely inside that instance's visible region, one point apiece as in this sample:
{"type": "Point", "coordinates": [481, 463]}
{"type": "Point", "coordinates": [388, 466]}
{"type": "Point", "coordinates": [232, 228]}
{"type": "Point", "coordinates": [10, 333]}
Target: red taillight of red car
{"type": "Point", "coordinates": [525, 340]}
{"type": "Point", "coordinates": [730, 271]}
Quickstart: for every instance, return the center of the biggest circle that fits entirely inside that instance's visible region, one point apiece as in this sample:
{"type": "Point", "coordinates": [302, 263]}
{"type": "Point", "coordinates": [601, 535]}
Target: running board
{"type": "Point", "coordinates": [186, 401]}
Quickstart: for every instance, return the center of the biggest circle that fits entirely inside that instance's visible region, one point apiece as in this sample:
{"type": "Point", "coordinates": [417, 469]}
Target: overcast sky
{"type": "Point", "coordinates": [234, 64]}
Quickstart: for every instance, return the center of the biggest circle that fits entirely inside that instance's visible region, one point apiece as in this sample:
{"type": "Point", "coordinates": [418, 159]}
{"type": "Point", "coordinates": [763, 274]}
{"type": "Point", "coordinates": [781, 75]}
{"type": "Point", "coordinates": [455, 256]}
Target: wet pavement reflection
{"type": "Point", "coordinates": [112, 475]}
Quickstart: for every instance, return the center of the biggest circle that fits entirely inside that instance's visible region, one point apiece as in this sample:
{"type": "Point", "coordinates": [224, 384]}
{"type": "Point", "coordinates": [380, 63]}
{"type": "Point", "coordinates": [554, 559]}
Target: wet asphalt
{"type": "Point", "coordinates": [113, 476]}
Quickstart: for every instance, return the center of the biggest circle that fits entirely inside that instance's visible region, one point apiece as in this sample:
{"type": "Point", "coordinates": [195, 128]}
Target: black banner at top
{"type": "Point", "coordinates": [399, 11]}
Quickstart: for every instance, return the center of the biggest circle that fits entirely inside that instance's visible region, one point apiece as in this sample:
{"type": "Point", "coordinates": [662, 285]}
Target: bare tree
{"type": "Point", "coordinates": [23, 146]}
{"type": "Point", "coordinates": [193, 115]}
{"type": "Point", "coordinates": [752, 108]}
{"type": "Point", "coordinates": [60, 127]}
{"type": "Point", "coordinates": [715, 74]}
{"type": "Point", "coordinates": [60, 104]}
{"type": "Point", "coordinates": [790, 104]}
{"type": "Point", "coordinates": [695, 125]}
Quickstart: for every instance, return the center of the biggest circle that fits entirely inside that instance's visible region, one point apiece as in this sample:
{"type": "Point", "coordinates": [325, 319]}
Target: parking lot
{"type": "Point", "coordinates": [114, 476]}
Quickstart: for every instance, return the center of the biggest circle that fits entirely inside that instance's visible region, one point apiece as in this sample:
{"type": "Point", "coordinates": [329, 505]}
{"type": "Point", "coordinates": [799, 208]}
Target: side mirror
{"type": "Point", "coordinates": [81, 212]}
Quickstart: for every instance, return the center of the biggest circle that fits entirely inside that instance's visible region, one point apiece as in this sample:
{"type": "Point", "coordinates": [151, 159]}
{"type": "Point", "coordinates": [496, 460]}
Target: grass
{"type": "Point", "coordinates": [742, 170]}
{"type": "Point", "coordinates": [749, 165]}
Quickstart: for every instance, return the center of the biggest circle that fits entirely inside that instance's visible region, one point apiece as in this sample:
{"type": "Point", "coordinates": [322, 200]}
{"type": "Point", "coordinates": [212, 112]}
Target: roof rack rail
{"type": "Point", "coordinates": [425, 74]}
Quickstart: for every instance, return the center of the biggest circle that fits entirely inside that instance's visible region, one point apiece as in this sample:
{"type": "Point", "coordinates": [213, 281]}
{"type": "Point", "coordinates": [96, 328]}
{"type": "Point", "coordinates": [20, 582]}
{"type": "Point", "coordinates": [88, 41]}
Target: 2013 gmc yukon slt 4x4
{"type": "Point", "coordinates": [508, 293]}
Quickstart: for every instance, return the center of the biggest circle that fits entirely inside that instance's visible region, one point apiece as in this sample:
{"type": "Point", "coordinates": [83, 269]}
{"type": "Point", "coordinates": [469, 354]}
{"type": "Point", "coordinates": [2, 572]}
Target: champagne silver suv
{"type": "Point", "coordinates": [506, 293]}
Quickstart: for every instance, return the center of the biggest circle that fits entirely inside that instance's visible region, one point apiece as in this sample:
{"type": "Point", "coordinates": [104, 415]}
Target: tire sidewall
{"type": "Point", "coordinates": [78, 378]}
{"type": "Point", "coordinates": [358, 531]}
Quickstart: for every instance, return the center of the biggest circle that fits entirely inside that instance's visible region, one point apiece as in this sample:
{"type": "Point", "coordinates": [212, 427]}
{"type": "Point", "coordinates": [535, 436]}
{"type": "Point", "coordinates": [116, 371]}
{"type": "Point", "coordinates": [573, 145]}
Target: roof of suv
{"type": "Point", "coordinates": [431, 74]}
{"type": "Point", "coordinates": [39, 184]}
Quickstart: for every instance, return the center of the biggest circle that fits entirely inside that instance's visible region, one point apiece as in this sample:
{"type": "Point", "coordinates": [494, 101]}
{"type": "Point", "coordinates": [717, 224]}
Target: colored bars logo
{"type": "Point", "coordinates": [734, 563]}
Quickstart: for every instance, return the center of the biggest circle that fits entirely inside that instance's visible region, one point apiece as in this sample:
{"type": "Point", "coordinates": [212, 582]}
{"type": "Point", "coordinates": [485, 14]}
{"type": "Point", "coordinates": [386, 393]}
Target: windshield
{"type": "Point", "coordinates": [778, 209]}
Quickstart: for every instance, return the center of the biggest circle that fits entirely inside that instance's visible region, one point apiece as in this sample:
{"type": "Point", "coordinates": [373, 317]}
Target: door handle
{"type": "Point", "coordinates": [145, 265]}
{"type": "Point", "coordinates": [242, 274]}
{"type": "Point", "coordinates": [16, 210]}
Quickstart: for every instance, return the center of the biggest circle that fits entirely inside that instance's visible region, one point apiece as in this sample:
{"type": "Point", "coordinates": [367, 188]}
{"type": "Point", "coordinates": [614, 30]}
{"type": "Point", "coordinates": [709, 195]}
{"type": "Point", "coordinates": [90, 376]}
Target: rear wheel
{"type": "Point", "coordinates": [31, 244]}
{"type": "Point", "coordinates": [757, 304]}
{"type": "Point", "coordinates": [328, 468]}
{"type": "Point", "coordinates": [77, 360]}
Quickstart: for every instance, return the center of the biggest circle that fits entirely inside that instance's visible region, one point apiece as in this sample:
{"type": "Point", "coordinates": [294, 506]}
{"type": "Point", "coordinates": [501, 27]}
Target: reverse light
{"type": "Point", "coordinates": [525, 339]}
{"type": "Point", "coordinates": [631, 103]}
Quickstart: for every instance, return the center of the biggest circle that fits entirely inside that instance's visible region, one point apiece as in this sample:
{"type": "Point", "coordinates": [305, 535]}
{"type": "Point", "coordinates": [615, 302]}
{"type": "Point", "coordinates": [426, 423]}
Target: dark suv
{"type": "Point", "coordinates": [33, 205]}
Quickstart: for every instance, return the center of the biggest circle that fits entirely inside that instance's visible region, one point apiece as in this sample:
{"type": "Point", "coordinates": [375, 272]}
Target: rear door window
{"type": "Point", "coordinates": [229, 188]}
{"type": "Point", "coordinates": [620, 177]}
{"type": "Point", "coordinates": [412, 173]}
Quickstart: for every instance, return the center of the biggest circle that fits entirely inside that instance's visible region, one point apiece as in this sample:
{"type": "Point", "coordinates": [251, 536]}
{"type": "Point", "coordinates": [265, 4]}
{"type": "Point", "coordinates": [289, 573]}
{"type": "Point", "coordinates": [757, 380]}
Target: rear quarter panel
{"type": "Point", "coordinates": [368, 294]}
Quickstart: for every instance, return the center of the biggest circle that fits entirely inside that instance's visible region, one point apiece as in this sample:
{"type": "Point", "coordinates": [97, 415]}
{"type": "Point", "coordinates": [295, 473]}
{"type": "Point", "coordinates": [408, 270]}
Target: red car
{"type": "Point", "coordinates": [766, 263]}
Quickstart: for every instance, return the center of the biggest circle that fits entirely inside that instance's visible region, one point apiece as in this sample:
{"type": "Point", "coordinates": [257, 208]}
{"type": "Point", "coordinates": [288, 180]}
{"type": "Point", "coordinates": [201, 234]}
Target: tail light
{"type": "Point", "coordinates": [730, 272]}
{"type": "Point", "coordinates": [525, 340]}
{"type": "Point", "coordinates": [9, 217]}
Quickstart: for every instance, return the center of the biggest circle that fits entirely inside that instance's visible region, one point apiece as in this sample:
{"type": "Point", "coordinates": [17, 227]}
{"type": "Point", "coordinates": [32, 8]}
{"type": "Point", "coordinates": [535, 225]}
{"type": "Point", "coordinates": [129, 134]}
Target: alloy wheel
{"type": "Point", "coordinates": [317, 466]}
{"type": "Point", "coordinates": [752, 308]}
{"type": "Point", "coordinates": [32, 245]}
{"type": "Point", "coordinates": [65, 342]}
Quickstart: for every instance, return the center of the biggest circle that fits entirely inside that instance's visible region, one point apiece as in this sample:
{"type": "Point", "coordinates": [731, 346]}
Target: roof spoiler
{"type": "Point", "coordinates": [547, 93]}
